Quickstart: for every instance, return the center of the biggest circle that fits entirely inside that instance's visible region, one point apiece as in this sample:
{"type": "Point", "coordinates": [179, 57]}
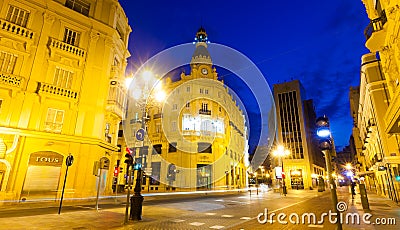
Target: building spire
{"type": "Point", "coordinates": [201, 54]}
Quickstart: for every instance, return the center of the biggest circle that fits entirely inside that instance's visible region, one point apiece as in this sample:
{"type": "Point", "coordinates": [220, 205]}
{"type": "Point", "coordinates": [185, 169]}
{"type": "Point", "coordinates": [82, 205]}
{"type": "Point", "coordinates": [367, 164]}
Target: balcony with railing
{"type": "Point", "coordinates": [204, 112]}
{"type": "Point", "coordinates": [44, 88]}
{"type": "Point", "coordinates": [115, 107]}
{"type": "Point", "coordinates": [16, 30]}
{"type": "Point", "coordinates": [11, 80]}
{"type": "Point", "coordinates": [66, 48]}
{"type": "Point", "coordinates": [375, 33]}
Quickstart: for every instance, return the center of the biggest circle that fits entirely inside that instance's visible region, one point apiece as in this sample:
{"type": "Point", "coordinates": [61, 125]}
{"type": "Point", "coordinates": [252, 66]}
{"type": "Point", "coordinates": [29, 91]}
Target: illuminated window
{"type": "Point", "coordinates": [17, 16]}
{"type": "Point", "coordinates": [7, 62]}
{"type": "Point", "coordinates": [206, 91]}
{"type": "Point", "coordinates": [63, 78]}
{"type": "Point", "coordinates": [71, 37]}
{"type": "Point", "coordinates": [54, 120]}
{"type": "Point", "coordinates": [80, 6]}
{"type": "Point", "coordinates": [201, 90]}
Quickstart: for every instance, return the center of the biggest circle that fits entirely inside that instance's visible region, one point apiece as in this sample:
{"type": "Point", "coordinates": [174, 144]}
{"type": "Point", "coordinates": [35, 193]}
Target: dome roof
{"type": "Point", "coordinates": [201, 54]}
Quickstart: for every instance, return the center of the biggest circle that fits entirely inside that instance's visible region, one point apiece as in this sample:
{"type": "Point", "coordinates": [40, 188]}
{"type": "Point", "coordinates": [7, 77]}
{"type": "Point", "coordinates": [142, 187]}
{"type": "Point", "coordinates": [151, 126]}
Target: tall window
{"type": "Point", "coordinates": [7, 62]}
{"type": "Point", "coordinates": [17, 16]}
{"type": "Point", "coordinates": [116, 95]}
{"type": "Point", "coordinates": [71, 37]}
{"type": "Point", "coordinates": [80, 6]}
{"type": "Point", "coordinates": [54, 120]}
{"type": "Point", "coordinates": [63, 78]}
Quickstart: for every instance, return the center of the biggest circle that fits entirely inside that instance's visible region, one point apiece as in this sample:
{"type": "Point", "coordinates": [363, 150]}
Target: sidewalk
{"type": "Point", "coordinates": [381, 209]}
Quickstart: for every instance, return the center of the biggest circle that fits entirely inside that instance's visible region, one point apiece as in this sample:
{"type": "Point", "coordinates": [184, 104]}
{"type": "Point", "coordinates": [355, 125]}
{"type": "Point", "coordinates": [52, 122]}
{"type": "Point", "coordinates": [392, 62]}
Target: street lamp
{"type": "Point", "coordinates": [144, 98]}
{"type": "Point", "coordinates": [325, 144]}
{"type": "Point", "coordinates": [281, 152]}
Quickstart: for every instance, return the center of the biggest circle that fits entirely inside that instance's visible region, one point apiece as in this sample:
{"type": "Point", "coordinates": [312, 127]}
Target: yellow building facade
{"type": "Point", "coordinates": [197, 138]}
{"type": "Point", "coordinates": [382, 37]}
{"type": "Point", "coordinates": [62, 91]}
{"type": "Point", "coordinates": [296, 121]}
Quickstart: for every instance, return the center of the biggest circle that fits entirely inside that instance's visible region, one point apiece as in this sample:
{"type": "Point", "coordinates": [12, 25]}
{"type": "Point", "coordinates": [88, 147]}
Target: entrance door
{"type": "Point", "coordinates": [296, 179]}
{"type": "Point", "coordinates": [204, 176]}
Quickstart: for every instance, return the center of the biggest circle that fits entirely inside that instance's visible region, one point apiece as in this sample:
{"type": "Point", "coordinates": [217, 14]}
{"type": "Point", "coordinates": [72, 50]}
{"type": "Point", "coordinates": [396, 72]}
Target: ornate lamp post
{"type": "Point", "coordinates": [281, 152]}
{"type": "Point", "coordinates": [144, 99]}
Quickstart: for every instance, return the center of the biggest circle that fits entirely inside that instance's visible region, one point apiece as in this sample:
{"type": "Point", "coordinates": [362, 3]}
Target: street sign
{"type": "Point", "coordinates": [69, 160]}
{"type": "Point", "coordinates": [140, 135]}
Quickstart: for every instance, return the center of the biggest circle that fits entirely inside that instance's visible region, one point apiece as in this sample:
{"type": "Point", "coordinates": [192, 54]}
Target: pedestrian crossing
{"type": "Point", "coordinates": [215, 215]}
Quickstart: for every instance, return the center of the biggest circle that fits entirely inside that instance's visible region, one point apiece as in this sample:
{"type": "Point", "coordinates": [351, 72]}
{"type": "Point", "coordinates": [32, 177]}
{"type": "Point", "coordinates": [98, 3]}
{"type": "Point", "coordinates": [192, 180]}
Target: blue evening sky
{"type": "Point", "coordinates": [318, 42]}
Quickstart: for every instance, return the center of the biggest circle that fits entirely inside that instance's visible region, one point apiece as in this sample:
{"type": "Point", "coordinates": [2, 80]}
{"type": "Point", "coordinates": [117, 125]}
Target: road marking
{"type": "Point", "coordinates": [245, 218]}
{"type": "Point", "coordinates": [210, 213]}
{"type": "Point", "coordinates": [219, 200]}
{"type": "Point", "coordinates": [197, 223]}
{"type": "Point", "coordinates": [217, 227]}
{"type": "Point", "coordinates": [227, 216]}
{"type": "Point", "coordinates": [178, 221]}
{"type": "Point", "coordinates": [244, 221]}
{"type": "Point", "coordinates": [315, 226]}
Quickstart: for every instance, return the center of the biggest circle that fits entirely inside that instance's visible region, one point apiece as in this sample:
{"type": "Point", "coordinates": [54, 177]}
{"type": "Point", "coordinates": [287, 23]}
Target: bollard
{"type": "Point", "coordinates": [364, 197]}
{"type": "Point", "coordinates": [136, 207]}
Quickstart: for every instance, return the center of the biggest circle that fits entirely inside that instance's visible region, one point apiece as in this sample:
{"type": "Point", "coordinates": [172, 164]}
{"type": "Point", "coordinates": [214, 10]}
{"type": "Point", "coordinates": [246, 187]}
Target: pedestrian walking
{"type": "Point", "coordinates": [353, 189]}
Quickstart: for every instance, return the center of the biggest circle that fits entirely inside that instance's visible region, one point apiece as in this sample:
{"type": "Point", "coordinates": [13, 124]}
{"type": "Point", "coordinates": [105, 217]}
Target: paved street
{"type": "Point", "coordinates": [232, 211]}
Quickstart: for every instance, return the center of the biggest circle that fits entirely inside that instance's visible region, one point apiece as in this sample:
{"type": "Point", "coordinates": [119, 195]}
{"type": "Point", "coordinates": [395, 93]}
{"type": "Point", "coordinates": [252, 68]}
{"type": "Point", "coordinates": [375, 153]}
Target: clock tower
{"type": "Point", "coordinates": [201, 64]}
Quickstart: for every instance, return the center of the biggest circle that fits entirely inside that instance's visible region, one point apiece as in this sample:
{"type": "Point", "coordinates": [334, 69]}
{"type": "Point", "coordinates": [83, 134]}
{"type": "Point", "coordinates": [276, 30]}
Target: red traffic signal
{"type": "Point", "coordinates": [116, 171]}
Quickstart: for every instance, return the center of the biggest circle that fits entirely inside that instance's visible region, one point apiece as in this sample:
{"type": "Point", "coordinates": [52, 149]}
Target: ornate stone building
{"type": "Point", "coordinates": [62, 92]}
{"type": "Point", "coordinates": [197, 138]}
{"type": "Point", "coordinates": [382, 39]}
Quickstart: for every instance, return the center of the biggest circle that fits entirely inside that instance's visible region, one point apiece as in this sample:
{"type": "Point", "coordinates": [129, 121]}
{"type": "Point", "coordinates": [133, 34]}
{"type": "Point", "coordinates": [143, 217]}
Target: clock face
{"type": "Point", "coordinates": [204, 71]}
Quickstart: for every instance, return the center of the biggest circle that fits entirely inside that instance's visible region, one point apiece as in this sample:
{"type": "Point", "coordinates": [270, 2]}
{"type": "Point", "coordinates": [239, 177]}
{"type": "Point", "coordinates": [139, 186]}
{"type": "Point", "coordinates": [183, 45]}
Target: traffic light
{"type": "Point", "coordinates": [129, 159]}
{"type": "Point", "coordinates": [137, 166]}
{"type": "Point", "coordinates": [324, 133]}
{"type": "Point", "coordinates": [116, 171]}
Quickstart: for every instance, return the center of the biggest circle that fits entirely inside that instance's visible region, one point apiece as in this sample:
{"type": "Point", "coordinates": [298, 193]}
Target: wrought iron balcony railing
{"type": "Point", "coordinates": [16, 29]}
{"type": "Point", "coordinates": [375, 25]}
{"type": "Point", "coordinates": [205, 112]}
